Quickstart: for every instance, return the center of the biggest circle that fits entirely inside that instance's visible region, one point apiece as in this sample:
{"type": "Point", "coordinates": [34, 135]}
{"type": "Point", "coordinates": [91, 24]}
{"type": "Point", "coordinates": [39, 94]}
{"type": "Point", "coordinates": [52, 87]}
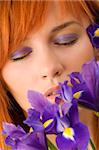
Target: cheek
{"type": "Point", "coordinates": [18, 83]}
{"type": "Point", "coordinates": [20, 77]}
{"type": "Point", "coordinates": [18, 74]}
{"type": "Point", "coordinates": [8, 74]}
{"type": "Point", "coordinates": [12, 76]}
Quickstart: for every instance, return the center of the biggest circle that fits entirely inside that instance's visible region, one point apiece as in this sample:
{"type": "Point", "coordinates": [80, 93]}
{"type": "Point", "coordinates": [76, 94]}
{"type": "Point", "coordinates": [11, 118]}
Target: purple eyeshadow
{"type": "Point", "coordinates": [66, 38]}
{"type": "Point", "coordinates": [21, 52]}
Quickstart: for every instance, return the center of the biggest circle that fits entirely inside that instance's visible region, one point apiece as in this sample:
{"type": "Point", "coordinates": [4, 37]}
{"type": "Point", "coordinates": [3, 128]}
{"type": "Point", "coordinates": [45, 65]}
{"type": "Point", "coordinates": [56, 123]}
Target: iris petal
{"type": "Point", "coordinates": [81, 136]}
{"type": "Point", "coordinates": [37, 100]}
{"type": "Point", "coordinates": [65, 144]}
{"type": "Point", "coordinates": [47, 123]}
{"type": "Point", "coordinates": [68, 133]}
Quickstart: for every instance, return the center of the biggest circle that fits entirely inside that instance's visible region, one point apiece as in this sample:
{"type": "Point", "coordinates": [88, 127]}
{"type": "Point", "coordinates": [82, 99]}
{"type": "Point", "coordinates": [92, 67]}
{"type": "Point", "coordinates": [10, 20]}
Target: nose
{"type": "Point", "coordinates": [51, 72]}
{"type": "Point", "coordinates": [51, 66]}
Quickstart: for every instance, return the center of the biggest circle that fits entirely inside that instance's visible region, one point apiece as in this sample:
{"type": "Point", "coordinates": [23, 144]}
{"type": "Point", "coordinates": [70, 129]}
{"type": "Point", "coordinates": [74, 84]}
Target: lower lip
{"type": "Point", "coordinates": [51, 98]}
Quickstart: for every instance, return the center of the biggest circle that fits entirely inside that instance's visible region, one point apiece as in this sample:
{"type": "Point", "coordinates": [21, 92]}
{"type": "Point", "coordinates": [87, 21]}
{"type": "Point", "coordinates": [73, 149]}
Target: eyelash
{"type": "Point", "coordinates": [66, 43]}
{"type": "Point", "coordinates": [22, 57]}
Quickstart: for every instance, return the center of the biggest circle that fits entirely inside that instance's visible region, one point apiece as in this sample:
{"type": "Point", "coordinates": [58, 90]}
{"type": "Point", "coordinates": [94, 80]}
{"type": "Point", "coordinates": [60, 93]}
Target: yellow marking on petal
{"type": "Point", "coordinates": [46, 123]}
{"type": "Point", "coordinates": [77, 95]}
{"type": "Point", "coordinates": [97, 114]}
{"type": "Point", "coordinates": [31, 130]}
{"type": "Point", "coordinates": [68, 133]}
{"type": "Point", "coordinates": [96, 33]}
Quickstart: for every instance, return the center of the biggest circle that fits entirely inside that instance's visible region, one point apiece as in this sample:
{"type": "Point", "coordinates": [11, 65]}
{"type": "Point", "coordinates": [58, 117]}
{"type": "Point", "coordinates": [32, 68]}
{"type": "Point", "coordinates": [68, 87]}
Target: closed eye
{"type": "Point", "coordinates": [21, 53]}
{"type": "Point", "coordinates": [21, 57]}
{"type": "Point", "coordinates": [66, 43]}
{"type": "Point", "coordinates": [66, 39]}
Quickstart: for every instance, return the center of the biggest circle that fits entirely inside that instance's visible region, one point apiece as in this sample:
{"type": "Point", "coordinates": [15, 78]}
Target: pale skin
{"type": "Point", "coordinates": [49, 63]}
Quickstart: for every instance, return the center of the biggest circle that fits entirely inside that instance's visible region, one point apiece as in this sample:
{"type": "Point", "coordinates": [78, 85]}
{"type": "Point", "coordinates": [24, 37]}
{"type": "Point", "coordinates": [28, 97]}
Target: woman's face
{"type": "Point", "coordinates": [59, 47]}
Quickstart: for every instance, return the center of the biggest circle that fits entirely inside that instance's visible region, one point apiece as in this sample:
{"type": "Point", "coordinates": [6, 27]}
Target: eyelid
{"type": "Point", "coordinates": [21, 53]}
{"type": "Point", "coordinates": [66, 38]}
{"type": "Point", "coordinates": [21, 57]}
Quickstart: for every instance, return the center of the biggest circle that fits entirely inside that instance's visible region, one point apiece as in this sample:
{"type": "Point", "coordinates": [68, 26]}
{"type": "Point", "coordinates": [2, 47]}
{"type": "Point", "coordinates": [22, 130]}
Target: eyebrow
{"type": "Point", "coordinates": [64, 25]}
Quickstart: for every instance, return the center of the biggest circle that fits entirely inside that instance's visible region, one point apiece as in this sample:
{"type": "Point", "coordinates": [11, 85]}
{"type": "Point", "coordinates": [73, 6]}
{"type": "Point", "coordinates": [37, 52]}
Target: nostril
{"type": "Point", "coordinates": [57, 73]}
{"type": "Point", "coordinates": [44, 76]}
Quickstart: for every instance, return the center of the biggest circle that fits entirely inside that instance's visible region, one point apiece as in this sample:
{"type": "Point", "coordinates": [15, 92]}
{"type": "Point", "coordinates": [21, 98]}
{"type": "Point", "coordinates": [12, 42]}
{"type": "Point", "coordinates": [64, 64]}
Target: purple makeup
{"type": "Point", "coordinates": [65, 38]}
{"type": "Point", "coordinates": [21, 53]}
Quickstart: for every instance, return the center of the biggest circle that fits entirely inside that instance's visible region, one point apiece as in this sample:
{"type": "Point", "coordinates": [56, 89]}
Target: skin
{"type": "Point", "coordinates": [49, 63]}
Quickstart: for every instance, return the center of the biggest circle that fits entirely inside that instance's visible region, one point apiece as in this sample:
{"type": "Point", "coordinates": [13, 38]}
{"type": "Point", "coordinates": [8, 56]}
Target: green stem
{"type": "Point", "coordinates": [51, 145]}
{"type": "Point", "coordinates": [92, 145]}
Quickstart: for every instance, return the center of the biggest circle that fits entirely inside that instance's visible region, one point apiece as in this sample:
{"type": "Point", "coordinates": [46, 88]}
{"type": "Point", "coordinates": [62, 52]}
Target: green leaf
{"type": "Point", "coordinates": [51, 146]}
{"type": "Point", "coordinates": [92, 145]}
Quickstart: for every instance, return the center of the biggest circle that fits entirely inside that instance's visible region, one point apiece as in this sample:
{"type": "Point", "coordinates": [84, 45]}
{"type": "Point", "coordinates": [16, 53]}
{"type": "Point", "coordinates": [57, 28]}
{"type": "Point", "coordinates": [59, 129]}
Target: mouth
{"type": "Point", "coordinates": [50, 94]}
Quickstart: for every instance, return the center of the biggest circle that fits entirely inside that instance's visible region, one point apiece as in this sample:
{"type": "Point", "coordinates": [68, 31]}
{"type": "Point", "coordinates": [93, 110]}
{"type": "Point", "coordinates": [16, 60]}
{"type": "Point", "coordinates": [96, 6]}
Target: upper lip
{"type": "Point", "coordinates": [51, 91]}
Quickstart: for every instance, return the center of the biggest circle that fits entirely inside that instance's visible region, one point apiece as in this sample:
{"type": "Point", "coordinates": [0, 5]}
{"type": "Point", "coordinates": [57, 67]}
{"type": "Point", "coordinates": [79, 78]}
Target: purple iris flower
{"type": "Point", "coordinates": [33, 120]}
{"type": "Point", "coordinates": [46, 119]}
{"type": "Point", "coordinates": [37, 100]}
{"type": "Point", "coordinates": [76, 135]}
{"type": "Point", "coordinates": [67, 93]}
{"type": "Point", "coordinates": [88, 83]}
{"type": "Point", "coordinates": [18, 139]}
{"type": "Point", "coordinates": [49, 113]}
{"type": "Point", "coordinates": [71, 134]}
{"type": "Point", "coordinates": [93, 33]}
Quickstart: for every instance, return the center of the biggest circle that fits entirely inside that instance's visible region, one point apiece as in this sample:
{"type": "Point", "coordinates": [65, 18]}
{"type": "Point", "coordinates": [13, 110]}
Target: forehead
{"type": "Point", "coordinates": [57, 14]}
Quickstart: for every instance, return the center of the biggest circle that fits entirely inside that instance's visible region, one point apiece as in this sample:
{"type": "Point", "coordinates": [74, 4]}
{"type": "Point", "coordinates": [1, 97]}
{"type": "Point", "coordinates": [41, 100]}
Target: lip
{"type": "Point", "coordinates": [50, 94]}
{"type": "Point", "coordinates": [51, 90]}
